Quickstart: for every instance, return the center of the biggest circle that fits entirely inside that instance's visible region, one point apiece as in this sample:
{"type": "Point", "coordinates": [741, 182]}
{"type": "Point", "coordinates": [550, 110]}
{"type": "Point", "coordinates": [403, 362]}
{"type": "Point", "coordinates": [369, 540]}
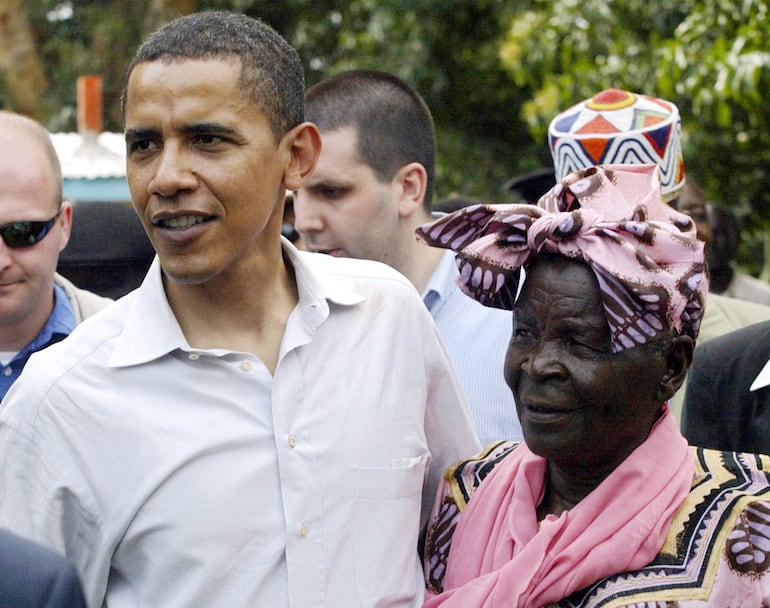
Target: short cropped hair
{"type": "Point", "coordinates": [37, 132]}
{"type": "Point", "coordinates": [272, 76]}
{"type": "Point", "coordinates": [393, 123]}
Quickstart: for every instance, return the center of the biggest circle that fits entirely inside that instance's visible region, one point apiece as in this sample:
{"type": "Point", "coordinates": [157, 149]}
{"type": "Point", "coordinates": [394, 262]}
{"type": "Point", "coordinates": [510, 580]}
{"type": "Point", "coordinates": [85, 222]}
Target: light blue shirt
{"type": "Point", "coordinates": [476, 338]}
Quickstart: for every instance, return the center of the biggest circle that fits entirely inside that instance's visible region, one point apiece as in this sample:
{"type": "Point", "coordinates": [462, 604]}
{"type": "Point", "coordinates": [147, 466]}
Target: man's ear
{"type": "Point", "coordinates": [677, 360]}
{"type": "Point", "coordinates": [303, 144]}
{"type": "Point", "coordinates": [65, 218]}
{"type": "Point", "coordinates": [412, 182]}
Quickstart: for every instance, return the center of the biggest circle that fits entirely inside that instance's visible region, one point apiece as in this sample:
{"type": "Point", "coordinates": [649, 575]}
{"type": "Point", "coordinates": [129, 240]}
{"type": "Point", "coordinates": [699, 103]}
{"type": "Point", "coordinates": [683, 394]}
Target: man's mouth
{"type": "Point", "coordinates": [336, 251]}
{"type": "Point", "coordinates": [181, 222]}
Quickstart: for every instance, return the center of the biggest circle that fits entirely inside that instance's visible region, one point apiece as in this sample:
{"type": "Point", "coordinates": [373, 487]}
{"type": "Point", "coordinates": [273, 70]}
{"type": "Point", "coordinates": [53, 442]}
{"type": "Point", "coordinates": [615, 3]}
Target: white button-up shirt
{"type": "Point", "coordinates": [174, 476]}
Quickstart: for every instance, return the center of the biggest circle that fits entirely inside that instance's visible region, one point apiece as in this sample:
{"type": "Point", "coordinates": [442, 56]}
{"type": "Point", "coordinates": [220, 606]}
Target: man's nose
{"type": "Point", "coordinates": [306, 217]}
{"type": "Point", "coordinates": [173, 172]}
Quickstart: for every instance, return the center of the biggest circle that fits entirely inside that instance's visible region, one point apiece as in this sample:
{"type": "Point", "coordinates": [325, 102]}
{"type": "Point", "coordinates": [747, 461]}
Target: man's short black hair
{"type": "Point", "coordinates": [271, 71]}
{"type": "Point", "coordinates": [393, 123]}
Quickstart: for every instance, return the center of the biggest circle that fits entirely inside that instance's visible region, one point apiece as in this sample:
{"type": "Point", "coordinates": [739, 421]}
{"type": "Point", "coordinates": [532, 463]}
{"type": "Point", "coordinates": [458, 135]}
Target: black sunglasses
{"type": "Point", "coordinates": [18, 235]}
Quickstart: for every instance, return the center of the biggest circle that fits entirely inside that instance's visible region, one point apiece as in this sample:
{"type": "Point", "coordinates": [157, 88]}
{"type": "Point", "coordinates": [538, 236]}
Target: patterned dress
{"type": "Point", "coordinates": [716, 552]}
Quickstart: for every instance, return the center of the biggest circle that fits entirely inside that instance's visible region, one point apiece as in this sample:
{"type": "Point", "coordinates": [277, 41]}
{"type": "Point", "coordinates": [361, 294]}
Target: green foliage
{"type": "Point", "coordinates": [717, 68]}
{"type": "Point", "coordinates": [493, 72]}
{"type": "Point", "coordinates": [448, 52]}
{"type": "Point", "coordinates": [710, 57]}
{"type": "Point", "coordinates": [96, 39]}
{"type": "Point", "coordinates": [567, 50]}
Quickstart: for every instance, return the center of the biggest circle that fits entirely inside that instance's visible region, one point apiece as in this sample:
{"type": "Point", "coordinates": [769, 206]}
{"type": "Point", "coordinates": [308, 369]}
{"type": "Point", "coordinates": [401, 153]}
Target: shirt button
{"type": "Point", "coordinates": [292, 441]}
{"type": "Point", "coordinates": [8, 371]}
{"type": "Point", "coordinates": [193, 356]}
{"type": "Point", "coordinates": [304, 530]}
{"type": "Point", "coordinates": [246, 366]}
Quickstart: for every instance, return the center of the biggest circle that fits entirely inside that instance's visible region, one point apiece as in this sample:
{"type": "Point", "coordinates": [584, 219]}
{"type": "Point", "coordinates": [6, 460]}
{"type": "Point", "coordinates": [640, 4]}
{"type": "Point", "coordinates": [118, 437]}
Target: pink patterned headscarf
{"type": "Point", "coordinates": [645, 254]}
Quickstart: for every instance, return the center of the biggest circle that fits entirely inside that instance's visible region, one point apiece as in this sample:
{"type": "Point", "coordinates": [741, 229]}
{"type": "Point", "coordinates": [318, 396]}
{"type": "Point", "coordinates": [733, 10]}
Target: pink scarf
{"type": "Point", "coordinates": [499, 558]}
{"type": "Point", "coordinates": [646, 255]}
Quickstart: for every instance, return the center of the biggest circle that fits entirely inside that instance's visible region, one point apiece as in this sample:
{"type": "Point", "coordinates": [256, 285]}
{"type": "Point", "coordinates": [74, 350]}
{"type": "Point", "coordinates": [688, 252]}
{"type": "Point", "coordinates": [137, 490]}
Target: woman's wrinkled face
{"type": "Point", "coordinates": [579, 403]}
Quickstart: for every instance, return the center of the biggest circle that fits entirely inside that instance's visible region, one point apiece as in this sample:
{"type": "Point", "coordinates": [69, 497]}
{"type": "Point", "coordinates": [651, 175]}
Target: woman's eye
{"type": "Point", "coordinates": [522, 332]}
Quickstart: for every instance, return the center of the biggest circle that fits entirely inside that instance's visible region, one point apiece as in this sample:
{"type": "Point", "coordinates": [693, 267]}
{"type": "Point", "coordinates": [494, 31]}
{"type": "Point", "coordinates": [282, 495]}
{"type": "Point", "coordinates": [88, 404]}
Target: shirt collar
{"type": "Point", "coordinates": [442, 280]}
{"type": "Point", "coordinates": [151, 329]}
{"type": "Point", "coordinates": [321, 278]}
{"type": "Point", "coordinates": [60, 322]}
{"type": "Point", "coordinates": [763, 378]}
{"type": "Point", "coordinates": [62, 319]}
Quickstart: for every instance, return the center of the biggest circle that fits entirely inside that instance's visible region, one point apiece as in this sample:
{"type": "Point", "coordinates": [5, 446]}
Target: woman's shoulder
{"type": "Point", "coordinates": [457, 486]}
{"type": "Point", "coordinates": [464, 477]}
{"type": "Point", "coordinates": [718, 545]}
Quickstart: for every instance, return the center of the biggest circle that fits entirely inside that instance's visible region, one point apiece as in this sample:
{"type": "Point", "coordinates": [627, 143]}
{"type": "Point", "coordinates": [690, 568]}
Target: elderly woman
{"type": "Point", "coordinates": [604, 503]}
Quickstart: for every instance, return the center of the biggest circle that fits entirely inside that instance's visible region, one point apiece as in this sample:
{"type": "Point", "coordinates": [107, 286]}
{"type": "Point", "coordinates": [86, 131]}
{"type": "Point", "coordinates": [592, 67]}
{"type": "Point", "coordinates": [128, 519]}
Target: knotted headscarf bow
{"type": "Point", "coordinates": [645, 255]}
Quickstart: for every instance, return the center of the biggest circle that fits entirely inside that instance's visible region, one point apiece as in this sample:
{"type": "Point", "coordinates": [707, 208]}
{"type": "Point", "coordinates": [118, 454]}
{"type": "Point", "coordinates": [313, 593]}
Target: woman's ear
{"type": "Point", "coordinates": [677, 359]}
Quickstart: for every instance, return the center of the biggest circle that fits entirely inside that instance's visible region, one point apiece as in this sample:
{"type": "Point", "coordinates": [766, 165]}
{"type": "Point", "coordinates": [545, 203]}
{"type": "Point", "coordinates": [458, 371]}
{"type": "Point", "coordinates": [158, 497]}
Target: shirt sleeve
{"type": "Point", "coordinates": [449, 427]}
{"type": "Point", "coordinates": [700, 423]}
{"type": "Point", "coordinates": [41, 497]}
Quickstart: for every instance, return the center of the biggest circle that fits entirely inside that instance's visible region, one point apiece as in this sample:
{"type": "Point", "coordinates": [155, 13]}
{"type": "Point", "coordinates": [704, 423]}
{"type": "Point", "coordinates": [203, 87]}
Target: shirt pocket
{"type": "Point", "coordinates": [386, 521]}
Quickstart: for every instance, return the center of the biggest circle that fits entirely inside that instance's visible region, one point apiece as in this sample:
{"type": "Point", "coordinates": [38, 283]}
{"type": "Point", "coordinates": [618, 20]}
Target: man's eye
{"type": "Point", "coordinates": [142, 145]}
{"type": "Point", "coordinates": [330, 192]}
{"type": "Point", "coordinates": [206, 139]}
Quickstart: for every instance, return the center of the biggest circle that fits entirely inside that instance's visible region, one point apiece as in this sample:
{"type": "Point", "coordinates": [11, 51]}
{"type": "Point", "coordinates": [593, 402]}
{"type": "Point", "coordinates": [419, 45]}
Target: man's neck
{"type": "Point", "coordinates": [243, 313]}
{"type": "Point", "coordinates": [426, 260]}
{"type": "Point", "coordinates": [16, 333]}
{"type": "Point", "coordinates": [418, 261]}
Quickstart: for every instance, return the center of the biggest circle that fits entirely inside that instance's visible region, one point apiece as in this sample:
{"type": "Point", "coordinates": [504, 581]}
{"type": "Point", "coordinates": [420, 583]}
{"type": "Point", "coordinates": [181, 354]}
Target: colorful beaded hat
{"type": "Point", "coordinates": [618, 127]}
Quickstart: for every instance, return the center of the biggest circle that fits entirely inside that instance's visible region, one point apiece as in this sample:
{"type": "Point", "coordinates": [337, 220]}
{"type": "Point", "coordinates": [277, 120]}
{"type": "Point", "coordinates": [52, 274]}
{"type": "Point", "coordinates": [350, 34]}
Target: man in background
{"type": "Point", "coordinates": [37, 306]}
{"type": "Point", "coordinates": [726, 276]}
{"type": "Point", "coordinates": [372, 188]}
{"type": "Point", "coordinates": [727, 399]}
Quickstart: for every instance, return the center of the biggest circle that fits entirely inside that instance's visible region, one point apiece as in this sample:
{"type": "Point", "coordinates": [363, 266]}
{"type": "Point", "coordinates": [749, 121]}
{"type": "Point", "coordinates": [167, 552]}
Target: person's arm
{"type": "Point", "coordinates": [449, 427]}
{"type": "Point", "coordinates": [456, 488]}
{"type": "Point", "coordinates": [701, 423]}
{"type": "Point", "coordinates": [42, 493]}
{"type": "Point", "coordinates": [720, 412]}
{"type": "Point", "coordinates": [33, 575]}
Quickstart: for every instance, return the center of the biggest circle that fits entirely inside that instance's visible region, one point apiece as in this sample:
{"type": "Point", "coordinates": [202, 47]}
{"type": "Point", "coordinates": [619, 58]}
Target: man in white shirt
{"type": "Point", "coordinates": [253, 426]}
{"type": "Point", "coordinates": [371, 189]}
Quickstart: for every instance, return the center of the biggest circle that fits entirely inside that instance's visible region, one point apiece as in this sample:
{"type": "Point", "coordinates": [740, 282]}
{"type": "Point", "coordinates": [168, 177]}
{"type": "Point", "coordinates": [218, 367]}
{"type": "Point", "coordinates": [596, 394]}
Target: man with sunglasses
{"type": "Point", "coordinates": [37, 306]}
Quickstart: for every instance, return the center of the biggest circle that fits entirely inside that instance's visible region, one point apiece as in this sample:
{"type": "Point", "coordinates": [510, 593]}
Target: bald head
{"type": "Point", "coordinates": [30, 191]}
{"type": "Point", "coordinates": [19, 131]}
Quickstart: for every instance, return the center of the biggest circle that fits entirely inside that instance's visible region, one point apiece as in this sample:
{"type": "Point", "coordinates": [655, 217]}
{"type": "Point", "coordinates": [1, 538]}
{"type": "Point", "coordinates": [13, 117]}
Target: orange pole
{"type": "Point", "coordinates": [89, 89]}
